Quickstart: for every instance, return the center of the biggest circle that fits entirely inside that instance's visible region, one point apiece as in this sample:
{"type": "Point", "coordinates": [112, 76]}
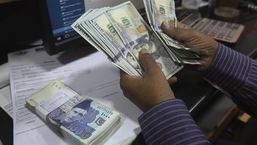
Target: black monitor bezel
{"type": "Point", "coordinates": [48, 37]}
{"type": "Point", "coordinates": [49, 41]}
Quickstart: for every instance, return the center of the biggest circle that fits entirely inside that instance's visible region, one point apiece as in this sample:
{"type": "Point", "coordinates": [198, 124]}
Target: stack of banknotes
{"type": "Point", "coordinates": [79, 120]}
{"type": "Point", "coordinates": [120, 32]}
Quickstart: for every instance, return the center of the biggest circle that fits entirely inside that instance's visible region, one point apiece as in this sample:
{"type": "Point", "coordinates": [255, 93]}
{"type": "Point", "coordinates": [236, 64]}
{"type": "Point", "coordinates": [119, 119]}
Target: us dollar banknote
{"type": "Point", "coordinates": [159, 11]}
{"type": "Point", "coordinates": [104, 26]}
{"type": "Point", "coordinates": [86, 29]}
{"type": "Point", "coordinates": [122, 32]}
{"type": "Point", "coordinates": [136, 35]}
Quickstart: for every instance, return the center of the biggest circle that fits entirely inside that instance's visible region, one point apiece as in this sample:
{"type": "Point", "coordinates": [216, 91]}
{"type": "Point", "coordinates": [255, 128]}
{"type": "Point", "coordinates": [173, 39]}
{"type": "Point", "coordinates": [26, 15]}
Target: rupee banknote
{"type": "Point", "coordinates": [79, 120]}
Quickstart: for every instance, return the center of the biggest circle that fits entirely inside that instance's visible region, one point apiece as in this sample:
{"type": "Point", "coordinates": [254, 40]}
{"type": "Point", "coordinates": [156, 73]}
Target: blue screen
{"type": "Point", "coordinates": [62, 14]}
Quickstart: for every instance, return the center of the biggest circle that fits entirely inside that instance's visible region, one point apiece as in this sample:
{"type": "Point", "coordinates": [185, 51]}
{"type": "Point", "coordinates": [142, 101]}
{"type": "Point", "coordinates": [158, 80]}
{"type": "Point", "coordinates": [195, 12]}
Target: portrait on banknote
{"type": "Point", "coordinates": [76, 119]}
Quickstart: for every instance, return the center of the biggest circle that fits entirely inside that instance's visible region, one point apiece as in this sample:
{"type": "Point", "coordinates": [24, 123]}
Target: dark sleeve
{"type": "Point", "coordinates": [170, 123]}
{"type": "Point", "coordinates": [236, 75]}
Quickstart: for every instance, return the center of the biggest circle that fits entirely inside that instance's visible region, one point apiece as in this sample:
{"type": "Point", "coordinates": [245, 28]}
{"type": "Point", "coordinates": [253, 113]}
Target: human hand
{"type": "Point", "coordinates": [150, 89]}
{"type": "Point", "coordinates": [194, 39]}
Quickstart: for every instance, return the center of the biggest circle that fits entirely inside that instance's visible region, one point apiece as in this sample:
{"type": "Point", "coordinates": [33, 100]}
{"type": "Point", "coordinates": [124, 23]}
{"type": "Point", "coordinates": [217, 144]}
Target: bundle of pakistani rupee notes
{"type": "Point", "coordinates": [79, 120]}
{"type": "Point", "coordinates": [120, 32]}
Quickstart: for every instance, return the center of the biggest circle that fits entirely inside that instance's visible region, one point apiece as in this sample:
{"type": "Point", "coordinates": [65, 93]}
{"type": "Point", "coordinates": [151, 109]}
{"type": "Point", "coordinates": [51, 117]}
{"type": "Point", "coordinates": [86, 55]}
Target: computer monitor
{"type": "Point", "coordinates": [58, 15]}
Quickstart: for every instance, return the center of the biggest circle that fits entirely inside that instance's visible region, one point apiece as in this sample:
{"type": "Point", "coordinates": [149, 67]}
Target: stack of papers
{"type": "Point", "coordinates": [32, 69]}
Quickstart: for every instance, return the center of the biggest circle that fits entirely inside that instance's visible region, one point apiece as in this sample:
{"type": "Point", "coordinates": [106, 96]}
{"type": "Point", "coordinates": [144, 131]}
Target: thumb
{"type": "Point", "coordinates": [148, 63]}
{"type": "Point", "coordinates": [178, 33]}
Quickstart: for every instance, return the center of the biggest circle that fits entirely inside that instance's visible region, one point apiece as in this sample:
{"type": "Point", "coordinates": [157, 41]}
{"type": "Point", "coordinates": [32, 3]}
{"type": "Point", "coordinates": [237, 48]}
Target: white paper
{"type": "Point", "coordinates": [6, 100]}
{"type": "Point", "coordinates": [4, 77]}
{"type": "Point", "coordinates": [91, 75]}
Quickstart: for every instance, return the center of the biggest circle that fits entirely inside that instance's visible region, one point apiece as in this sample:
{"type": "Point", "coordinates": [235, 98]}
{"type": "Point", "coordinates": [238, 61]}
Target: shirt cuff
{"type": "Point", "coordinates": [229, 69]}
{"type": "Point", "coordinates": [170, 123]}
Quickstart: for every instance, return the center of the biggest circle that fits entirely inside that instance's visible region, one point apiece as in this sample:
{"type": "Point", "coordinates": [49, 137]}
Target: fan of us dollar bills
{"type": "Point", "coordinates": [120, 32]}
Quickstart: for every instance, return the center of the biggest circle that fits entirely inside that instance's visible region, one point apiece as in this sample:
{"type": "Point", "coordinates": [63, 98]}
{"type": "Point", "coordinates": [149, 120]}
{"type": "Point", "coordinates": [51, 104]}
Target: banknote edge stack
{"type": "Point", "coordinates": [56, 96]}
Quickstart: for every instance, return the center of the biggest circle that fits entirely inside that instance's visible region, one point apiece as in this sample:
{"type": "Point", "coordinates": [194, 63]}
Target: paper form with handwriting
{"type": "Point", "coordinates": [92, 75]}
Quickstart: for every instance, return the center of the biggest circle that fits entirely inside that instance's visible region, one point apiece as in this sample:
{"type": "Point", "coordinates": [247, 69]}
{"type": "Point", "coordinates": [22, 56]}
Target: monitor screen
{"type": "Point", "coordinates": [58, 15]}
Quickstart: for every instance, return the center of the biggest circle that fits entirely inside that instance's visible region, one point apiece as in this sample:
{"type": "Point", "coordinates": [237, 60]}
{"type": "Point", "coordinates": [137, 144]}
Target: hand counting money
{"type": "Point", "coordinates": [79, 120]}
{"type": "Point", "coordinates": [120, 32]}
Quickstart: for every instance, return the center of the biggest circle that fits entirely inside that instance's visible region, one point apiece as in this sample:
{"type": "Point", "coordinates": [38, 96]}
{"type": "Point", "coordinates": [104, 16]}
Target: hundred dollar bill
{"type": "Point", "coordinates": [79, 28]}
{"type": "Point", "coordinates": [120, 63]}
{"type": "Point", "coordinates": [81, 121]}
{"type": "Point", "coordinates": [134, 32]}
{"type": "Point", "coordinates": [89, 36]}
{"type": "Point", "coordinates": [163, 10]}
{"type": "Point", "coordinates": [160, 11]}
{"type": "Point", "coordinates": [103, 25]}
{"type": "Point", "coordinates": [106, 45]}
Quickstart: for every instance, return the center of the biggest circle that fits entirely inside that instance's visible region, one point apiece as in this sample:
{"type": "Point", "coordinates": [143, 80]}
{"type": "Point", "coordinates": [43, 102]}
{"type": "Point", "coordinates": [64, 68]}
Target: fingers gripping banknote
{"type": "Point", "coordinates": [120, 32]}
{"type": "Point", "coordinates": [136, 35]}
{"type": "Point", "coordinates": [159, 11]}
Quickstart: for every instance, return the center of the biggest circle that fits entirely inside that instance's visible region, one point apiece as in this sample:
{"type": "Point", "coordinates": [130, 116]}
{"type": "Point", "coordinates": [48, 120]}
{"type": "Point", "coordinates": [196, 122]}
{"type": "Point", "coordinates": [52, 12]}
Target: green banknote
{"type": "Point", "coordinates": [86, 30]}
{"type": "Point", "coordinates": [103, 25]}
{"type": "Point", "coordinates": [121, 33]}
{"type": "Point", "coordinates": [137, 35]}
{"type": "Point", "coordinates": [159, 11]}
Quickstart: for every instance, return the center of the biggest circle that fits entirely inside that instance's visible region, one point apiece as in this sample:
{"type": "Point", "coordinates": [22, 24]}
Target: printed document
{"type": "Point", "coordinates": [6, 100]}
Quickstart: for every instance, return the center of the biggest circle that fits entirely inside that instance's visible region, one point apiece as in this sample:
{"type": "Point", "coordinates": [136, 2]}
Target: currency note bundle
{"type": "Point", "coordinates": [159, 11]}
{"type": "Point", "coordinates": [120, 32]}
{"type": "Point", "coordinates": [79, 120]}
